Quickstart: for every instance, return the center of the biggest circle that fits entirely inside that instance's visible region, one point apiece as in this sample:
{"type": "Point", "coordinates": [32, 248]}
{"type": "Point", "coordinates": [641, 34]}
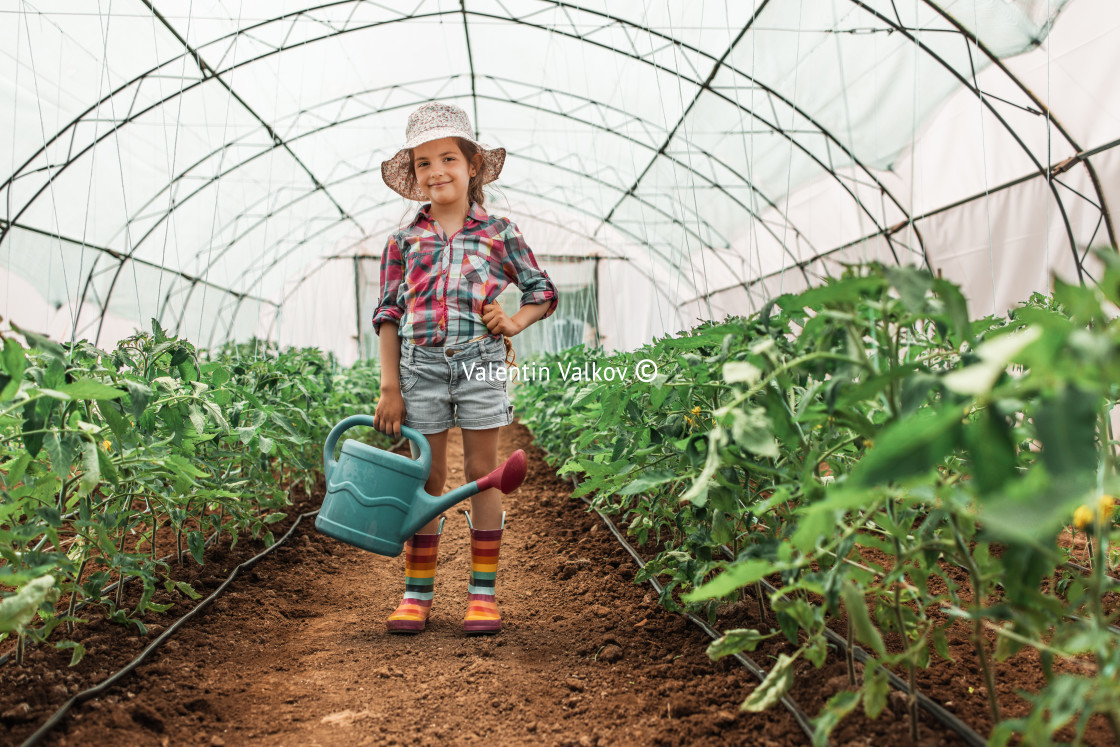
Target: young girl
{"type": "Point", "coordinates": [442, 354]}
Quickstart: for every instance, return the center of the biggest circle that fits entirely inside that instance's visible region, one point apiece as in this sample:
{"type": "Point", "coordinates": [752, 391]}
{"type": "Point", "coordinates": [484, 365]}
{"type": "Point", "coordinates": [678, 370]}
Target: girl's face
{"type": "Point", "coordinates": [442, 172]}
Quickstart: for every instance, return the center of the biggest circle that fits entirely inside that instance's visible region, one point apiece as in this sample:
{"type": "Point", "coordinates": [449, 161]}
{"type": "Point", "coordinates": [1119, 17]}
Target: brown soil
{"type": "Point", "coordinates": [297, 653]}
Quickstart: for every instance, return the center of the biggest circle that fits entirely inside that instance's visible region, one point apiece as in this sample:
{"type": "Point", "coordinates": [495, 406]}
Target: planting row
{"type": "Point", "coordinates": [859, 444]}
{"type": "Point", "coordinates": [106, 456]}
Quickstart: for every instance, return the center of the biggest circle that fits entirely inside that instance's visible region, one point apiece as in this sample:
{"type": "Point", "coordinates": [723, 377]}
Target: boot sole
{"type": "Point", "coordinates": [482, 628]}
{"type": "Point", "coordinates": [404, 626]}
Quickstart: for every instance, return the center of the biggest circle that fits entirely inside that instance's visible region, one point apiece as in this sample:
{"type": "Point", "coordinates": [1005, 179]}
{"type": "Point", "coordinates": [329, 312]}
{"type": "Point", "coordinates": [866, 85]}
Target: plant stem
{"type": "Point", "coordinates": [978, 623]}
{"type": "Point", "coordinates": [849, 657]}
{"type": "Point", "coordinates": [911, 665]}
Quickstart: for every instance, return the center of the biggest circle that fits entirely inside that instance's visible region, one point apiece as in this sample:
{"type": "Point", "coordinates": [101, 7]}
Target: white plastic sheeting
{"type": "Point", "coordinates": [215, 164]}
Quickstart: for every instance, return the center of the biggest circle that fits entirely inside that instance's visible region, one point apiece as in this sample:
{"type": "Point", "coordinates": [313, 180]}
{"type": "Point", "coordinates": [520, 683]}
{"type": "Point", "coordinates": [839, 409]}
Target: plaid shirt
{"type": "Point", "coordinates": [443, 284]}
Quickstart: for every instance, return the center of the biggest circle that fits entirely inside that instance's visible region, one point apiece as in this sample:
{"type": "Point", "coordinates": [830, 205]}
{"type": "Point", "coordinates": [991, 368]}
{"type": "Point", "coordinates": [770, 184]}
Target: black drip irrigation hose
{"type": "Point", "coordinates": [935, 709]}
{"type": "Point", "coordinates": [758, 672]}
{"type": "Point", "coordinates": [81, 697]}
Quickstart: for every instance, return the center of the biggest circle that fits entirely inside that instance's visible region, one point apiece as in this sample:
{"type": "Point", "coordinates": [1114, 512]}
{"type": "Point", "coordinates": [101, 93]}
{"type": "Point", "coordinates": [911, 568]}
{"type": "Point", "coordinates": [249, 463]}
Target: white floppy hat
{"type": "Point", "coordinates": [433, 121]}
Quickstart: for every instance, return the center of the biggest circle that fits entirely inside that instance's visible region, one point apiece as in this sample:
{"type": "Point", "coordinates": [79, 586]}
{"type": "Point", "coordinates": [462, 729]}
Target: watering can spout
{"type": "Point", "coordinates": [507, 477]}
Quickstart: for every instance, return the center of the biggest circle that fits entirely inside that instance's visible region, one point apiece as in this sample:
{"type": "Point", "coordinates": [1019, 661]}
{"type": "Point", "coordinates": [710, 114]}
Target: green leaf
{"type": "Point", "coordinates": [912, 285]}
{"type": "Point", "coordinates": [183, 588]}
{"type": "Point", "coordinates": [108, 470]}
{"type": "Point", "coordinates": [34, 418]}
{"type": "Point", "coordinates": [856, 608]}
{"type": "Point", "coordinates": [118, 424]}
{"type": "Point", "coordinates": [735, 372]}
{"type": "Point", "coordinates": [816, 651]}
{"type": "Point", "coordinates": [876, 687]}
{"type": "Point", "coordinates": [1066, 426]}
{"type": "Point", "coordinates": [90, 389]}
{"type": "Point", "coordinates": [734, 641]}
{"type": "Point", "coordinates": [740, 574]}
{"type": "Point", "coordinates": [777, 683]}
{"type": "Point", "coordinates": [909, 447]}
{"type": "Point", "coordinates": [91, 469]}
{"type": "Point", "coordinates": [955, 309]}
{"type": "Point", "coordinates": [837, 707]}
{"type": "Point", "coordinates": [649, 480]}
{"type": "Point", "coordinates": [751, 429]}
{"type": "Point", "coordinates": [77, 651]}
{"type": "Point", "coordinates": [196, 544]}
{"type": "Point", "coordinates": [139, 394]}
{"type": "Point", "coordinates": [15, 363]}
{"type": "Point", "coordinates": [42, 343]}
{"type": "Point", "coordinates": [941, 644]}
{"type": "Point", "coordinates": [994, 353]}
{"type": "Point", "coordinates": [19, 609]}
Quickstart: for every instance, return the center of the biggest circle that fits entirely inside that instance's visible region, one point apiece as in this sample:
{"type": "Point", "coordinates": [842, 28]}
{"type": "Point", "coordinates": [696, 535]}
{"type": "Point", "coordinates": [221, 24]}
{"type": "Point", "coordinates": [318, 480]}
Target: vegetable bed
{"type": "Point", "coordinates": [872, 414]}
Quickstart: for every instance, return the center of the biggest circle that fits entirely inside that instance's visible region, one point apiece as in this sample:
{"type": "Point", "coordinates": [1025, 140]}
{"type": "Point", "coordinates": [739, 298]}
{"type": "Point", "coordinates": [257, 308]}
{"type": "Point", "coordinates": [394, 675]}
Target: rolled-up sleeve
{"type": "Point", "coordinates": [390, 309]}
{"type": "Point", "coordinates": [521, 269]}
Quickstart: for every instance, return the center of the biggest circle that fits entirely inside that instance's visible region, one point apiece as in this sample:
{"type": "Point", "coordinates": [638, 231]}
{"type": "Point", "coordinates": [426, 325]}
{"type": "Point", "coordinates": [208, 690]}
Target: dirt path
{"type": "Point", "coordinates": [297, 653]}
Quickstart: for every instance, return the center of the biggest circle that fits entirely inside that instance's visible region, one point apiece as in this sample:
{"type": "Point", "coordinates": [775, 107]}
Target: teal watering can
{"type": "Point", "coordinates": [376, 499]}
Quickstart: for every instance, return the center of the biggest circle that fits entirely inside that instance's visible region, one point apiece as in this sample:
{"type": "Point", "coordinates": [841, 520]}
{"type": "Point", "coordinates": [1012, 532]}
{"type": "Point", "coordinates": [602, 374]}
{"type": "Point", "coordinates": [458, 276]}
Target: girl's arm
{"type": "Point", "coordinates": [390, 346]}
{"type": "Point", "coordinates": [390, 410]}
{"type": "Point", "coordinates": [539, 296]}
{"type": "Point", "coordinates": [390, 310]}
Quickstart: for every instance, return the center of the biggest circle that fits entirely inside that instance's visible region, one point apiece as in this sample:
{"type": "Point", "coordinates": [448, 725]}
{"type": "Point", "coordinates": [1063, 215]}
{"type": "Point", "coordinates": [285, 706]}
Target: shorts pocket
{"type": "Point", "coordinates": [409, 376]}
{"type": "Point", "coordinates": [496, 374]}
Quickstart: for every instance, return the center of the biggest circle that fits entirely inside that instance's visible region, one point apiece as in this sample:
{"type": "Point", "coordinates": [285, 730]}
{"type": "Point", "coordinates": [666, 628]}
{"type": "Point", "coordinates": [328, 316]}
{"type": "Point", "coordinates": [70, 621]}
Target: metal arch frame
{"type": "Point", "coordinates": [540, 89]}
{"type": "Point", "coordinates": [529, 193]}
{"type": "Point", "coordinates": [1058, 167]}
{"type": "Point", "coordinates": [797, 233]}
{"type": "Point", "coordinates": [1045, 111]}
{"type": "Point", "coordinates": [828, 135]}
{"type": "Point", "coordinates": [328, 227]}
{"type": "Point", "coordinates": [208, 71]}
{"type": "Point", "coordinates": [1103, 205]}
{"type": "Point", "coordinates": [358, 174]}
{"type": "Point", "coordinates": [588, 237]}
{"type": "Point", "coordinates": [986, 104]}
{"type": "Point", "coordinates": [192, 279]}
{"type": "Point", "coordinates": [138, 243]}
{"type": "Point", "coordinates": [773, 127]}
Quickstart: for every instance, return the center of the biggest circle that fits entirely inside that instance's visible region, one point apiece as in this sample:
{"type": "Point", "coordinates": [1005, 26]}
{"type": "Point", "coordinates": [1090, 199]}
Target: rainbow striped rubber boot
{"type": "Point", "coordinates": [419, 577]}
{"type": "Point", "coordinates": [482, 610]}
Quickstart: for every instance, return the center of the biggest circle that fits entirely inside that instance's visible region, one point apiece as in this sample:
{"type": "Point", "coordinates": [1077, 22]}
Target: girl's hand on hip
{"type": "Point", "coordinates": [390, 413]}
{"type": "Point", "coordinates": [497, 321]}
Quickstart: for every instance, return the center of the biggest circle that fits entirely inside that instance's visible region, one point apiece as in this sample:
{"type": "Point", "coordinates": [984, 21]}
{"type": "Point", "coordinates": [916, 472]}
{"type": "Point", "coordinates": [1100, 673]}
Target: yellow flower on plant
{"type": "Point", "coordinates": [1105, 504]}
{"type": "Point", "coordinates": [1082, 517]}
{"type": "Point", "coordinates": [106, 445]}
{"type": "Point", "coordinates": [695, 410]}
{"type": "Point", "coordinates": [689, 421]}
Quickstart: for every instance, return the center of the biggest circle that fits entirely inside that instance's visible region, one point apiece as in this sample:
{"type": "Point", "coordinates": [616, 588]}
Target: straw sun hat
{"type": "Point", "coordinates": [433, 121]}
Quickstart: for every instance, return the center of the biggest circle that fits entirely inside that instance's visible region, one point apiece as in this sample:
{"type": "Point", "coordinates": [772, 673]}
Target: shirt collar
{"type": "Point", "coordinates": [477, 213]}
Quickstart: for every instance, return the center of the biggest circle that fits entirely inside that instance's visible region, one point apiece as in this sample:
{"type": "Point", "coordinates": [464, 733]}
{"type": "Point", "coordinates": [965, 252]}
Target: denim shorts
{"type": "Point", "coordinates": [464, 385]}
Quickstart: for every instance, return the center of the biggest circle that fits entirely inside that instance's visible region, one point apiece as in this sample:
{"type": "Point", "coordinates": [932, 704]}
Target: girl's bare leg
{"type": "Point", "coordinates": [437, 478]}
{"type": "Point", "coordinates": [480, 458]}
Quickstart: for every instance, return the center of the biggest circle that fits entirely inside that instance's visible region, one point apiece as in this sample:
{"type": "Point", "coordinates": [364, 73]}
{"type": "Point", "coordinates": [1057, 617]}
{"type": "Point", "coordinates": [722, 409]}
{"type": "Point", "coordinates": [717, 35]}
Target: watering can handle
{"type": "Point", "coordinates": [348, 423]}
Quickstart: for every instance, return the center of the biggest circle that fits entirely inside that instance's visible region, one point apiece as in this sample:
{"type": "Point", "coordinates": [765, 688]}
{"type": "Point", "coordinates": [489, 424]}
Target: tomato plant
{"type": "Point", "coordinates": [101, 450]}
{"type": "Point", "coordinates": [856, 441]}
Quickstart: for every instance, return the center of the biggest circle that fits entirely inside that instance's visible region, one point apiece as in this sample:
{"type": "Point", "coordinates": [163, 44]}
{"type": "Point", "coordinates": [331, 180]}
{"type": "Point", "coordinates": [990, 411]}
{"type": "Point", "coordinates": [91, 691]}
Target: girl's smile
{"type": "Point", "coordinates": [442, 171]}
